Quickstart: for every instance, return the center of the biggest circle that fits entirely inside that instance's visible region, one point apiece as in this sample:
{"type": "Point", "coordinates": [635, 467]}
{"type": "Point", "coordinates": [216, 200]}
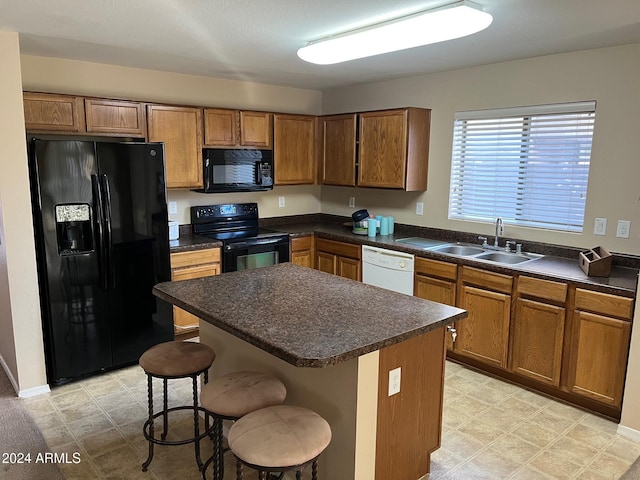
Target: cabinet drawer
{"type": "Point", "coordinates": [301, 243]}
{"type": "Point", "coordinates": [338, 248]}
{"type": "Point", "coordinates": [198, 271]}
{"type": "Point", "coordinates": [487, 280]}
{"type": "Point", "coordinates": [543, 289]}
{"type": "Point", "coordinates": [604, 303]}
{"type": "Point", "coordinates": [436, 268]}
{"type": "Point", "coordinates": [195, 257]}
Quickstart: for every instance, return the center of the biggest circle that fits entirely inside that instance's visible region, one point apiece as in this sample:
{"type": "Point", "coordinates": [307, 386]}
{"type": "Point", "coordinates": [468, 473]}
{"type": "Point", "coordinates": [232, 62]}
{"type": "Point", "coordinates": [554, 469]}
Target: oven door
{"type": "Point", "coordinates": [254, 253]}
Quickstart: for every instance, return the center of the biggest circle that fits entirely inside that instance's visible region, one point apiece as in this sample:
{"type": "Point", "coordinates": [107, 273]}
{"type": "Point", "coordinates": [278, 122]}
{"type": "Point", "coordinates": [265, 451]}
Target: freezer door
{"type": "Point", "coordinates": [66, 215]}
{"type": "Point", "coordinates": [133, 183]}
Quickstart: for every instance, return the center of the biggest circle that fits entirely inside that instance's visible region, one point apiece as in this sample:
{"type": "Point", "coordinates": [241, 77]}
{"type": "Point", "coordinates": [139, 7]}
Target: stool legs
{"type": "Point", "coordinates": [151, 429]}
{"type": "Point", "coordinates": [165, 416]}
{"type": "Point", "coordinates": [314, 470]}
{"type": "Point", "coordinates": [196, 422]}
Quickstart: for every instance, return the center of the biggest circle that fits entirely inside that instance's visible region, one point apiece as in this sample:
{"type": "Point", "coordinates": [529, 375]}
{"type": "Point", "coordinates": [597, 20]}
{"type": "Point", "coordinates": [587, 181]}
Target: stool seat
{"type": "Point", "coordinates": [177, 359]}
{"type": "Point", "coordinates": [238, 393]}
{"type": "Point", "coordinates": [279, 436]}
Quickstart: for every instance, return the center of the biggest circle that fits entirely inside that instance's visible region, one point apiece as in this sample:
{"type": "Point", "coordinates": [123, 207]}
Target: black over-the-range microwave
{"type": "Point", "coordinates": [237, 170]}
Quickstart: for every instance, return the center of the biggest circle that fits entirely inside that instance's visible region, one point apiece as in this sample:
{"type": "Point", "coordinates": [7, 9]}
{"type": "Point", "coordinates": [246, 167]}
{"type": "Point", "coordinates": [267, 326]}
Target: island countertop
{"type": "Point", "coordinates": [306, 317]}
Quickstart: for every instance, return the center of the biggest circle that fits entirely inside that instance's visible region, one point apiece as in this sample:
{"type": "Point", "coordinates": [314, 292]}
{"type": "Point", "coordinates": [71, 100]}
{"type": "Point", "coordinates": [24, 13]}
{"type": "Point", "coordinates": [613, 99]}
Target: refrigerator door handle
{"type": "Point", "coordinates": [106, 202]}
{"type": "Point", "coordinates": [99, 223]}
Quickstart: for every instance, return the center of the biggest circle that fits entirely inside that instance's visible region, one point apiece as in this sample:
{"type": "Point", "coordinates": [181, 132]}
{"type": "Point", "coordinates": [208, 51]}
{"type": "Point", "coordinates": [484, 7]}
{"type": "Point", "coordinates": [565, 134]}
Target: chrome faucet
{"type": "Point", "coordinates": [499, 231]}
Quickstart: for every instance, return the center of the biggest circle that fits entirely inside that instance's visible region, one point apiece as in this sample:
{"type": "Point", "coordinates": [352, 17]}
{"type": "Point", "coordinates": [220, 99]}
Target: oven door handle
{"type": "Point", "coordinates": [255, 243]}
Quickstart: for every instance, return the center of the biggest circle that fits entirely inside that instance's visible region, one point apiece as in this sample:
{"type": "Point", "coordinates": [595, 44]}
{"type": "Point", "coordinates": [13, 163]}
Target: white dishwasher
{"type": "Point", "coordinates": [388, 269]}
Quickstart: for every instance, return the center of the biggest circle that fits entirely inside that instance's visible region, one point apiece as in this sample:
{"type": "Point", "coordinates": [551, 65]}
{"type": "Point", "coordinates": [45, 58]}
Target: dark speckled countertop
{"type": "Point", "coordinates": [560, 263]}
{"type": "Point", "coordinates": [306, 317]}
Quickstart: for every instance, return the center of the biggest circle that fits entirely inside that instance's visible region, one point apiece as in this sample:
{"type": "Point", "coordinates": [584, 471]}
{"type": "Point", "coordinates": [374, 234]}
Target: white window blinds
{"type": "Point", "coordinates": [528, 165]}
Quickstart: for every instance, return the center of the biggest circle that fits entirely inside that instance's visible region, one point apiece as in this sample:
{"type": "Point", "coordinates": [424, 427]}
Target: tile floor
{"type": "Point", "coordinates": [491, 430]}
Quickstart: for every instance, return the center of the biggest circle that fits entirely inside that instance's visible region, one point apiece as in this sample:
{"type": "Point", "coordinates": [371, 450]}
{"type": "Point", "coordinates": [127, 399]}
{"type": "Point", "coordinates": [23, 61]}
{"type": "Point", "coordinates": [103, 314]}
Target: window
{"type": "Point", "coordinates": [528, 165]}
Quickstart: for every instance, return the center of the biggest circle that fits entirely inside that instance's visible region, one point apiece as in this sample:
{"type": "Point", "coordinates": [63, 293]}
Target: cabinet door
{"type": "Point", "coordinates": [293, 149]}
{"type": "Point", "coordinates": [383, 149]}
{"type": "Point", "coordinates": [349, 268]}
{"type": "Point", "coordinates": [484, 334]}
{"type": "Point", "coordinates": [436, 290]}
{"type": "Point", "coordinates": [598, 360]}
{"type": "Point", "coordinates": [220, 127]}
{"type": "Point", "coordinates": [339, 150]}
{"type": "Point", "coordinates": [115, 117]}
{"type": "Point", "coordinates": [181, 318]}
{"type": "Point", "coordinates": [302, 251]}
{"type": "Point", "coordinates": [326, 262]}
{"type": "Point", "coordinates": [256, 129]}
{"type": "Point", "coordinates": [538, 333]}
{"type": "Point", "coordinates": [180, 128]}
{"type": "Point", "coordinates": [53, 113]}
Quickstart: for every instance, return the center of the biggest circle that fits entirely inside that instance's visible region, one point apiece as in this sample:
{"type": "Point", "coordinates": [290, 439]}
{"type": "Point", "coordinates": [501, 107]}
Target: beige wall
{"type": "Point", "coordinates": [609, 76]}
{"type": "Point", "coordinates": [21, 345]}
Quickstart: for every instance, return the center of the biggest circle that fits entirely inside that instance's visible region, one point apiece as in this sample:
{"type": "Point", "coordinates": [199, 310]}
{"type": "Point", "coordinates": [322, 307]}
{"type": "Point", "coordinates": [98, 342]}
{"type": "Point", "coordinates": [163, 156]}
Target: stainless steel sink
{"type": "Point", "coordinates": [506, 257]}
{"type": "Point", "coordinates": [458, 249]}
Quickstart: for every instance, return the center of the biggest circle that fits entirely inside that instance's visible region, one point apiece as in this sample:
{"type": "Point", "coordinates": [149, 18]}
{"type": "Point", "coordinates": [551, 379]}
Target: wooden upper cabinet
{"type": "Point", "coordinates": [294, 149]}
{"type": "Point", "coordinates": [339, 149]}
{"type": "Point", "coordinates": [394, 149]}
{"type": "Point", "coordinates": [44, 112]}
{"type": "Point", "coordinates": [234, 128]}
{"type": "Point", "coordinates": [116, 117]}
{"type": "Point", "coordinates": [180, 128]}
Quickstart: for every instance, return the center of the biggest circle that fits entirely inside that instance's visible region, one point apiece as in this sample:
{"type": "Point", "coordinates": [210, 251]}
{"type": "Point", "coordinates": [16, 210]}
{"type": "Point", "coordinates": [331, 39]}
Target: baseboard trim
{"type": "Point", "coordinates": [628, 432]}
{"type": "Point", "coordinates": [29, 392]}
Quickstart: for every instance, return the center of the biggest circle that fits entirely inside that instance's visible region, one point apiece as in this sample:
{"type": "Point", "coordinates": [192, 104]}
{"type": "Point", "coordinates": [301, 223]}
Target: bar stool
{"type": "Point", "coordinates": [279, 439]}
{"type": "Point", "coordinates": [173, 360]}
{"type": "Point", "coordinates": [232, 396]}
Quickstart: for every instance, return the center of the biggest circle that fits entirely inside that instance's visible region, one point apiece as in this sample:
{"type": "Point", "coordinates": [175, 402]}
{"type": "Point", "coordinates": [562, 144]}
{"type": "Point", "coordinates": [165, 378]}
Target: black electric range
{"type": "Point", "coordinates": [244, 244]}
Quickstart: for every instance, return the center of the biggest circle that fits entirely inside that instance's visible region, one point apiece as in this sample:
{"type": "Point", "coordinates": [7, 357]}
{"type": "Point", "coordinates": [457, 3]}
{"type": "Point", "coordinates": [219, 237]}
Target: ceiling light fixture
{"type": "Point", "coordinates": [450, 21]}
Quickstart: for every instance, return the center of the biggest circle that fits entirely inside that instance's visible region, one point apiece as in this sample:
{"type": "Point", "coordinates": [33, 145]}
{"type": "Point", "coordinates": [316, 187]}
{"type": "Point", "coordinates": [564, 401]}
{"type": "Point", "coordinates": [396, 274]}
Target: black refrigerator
{"type": "Point", "coordinates": [102, 243]}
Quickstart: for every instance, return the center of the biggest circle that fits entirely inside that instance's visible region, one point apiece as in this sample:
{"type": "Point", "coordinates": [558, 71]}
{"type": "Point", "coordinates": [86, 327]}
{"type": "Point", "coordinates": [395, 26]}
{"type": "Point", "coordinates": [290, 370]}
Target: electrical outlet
{"type": "Point", "coordinates": [394, 381]}
{"type": "Point", "coordinates": [173, 208]}
{"type": "Point", "coordinates": [281, 202]}
{"type": "Point", "coordinates": [623, 228]}
{"type": "Point", "coordinates": [600, 226]}
{"type": "Point", "coordinates": [419, 208]}
{"type": "Point", "coordinates": [352, 202]}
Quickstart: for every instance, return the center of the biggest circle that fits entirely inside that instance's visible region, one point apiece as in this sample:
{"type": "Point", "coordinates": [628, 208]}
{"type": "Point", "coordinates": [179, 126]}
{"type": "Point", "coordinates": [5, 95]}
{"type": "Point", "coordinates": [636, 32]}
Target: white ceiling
{"type": "Point", "coordinates": [257, 40]}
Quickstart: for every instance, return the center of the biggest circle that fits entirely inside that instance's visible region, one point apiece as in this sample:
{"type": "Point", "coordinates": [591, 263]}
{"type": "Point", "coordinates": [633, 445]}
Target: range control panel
{"type": "Point", "coordinates": [227, 211]}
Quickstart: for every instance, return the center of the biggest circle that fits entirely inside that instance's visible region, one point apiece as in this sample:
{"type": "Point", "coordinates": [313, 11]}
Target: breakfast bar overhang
{"type": "Point", "coordinates": [333, 342]}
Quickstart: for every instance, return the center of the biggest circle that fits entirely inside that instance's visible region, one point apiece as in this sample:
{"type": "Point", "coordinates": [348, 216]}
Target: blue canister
{"type": "Point", "coordinates": [372, 224]}
{"type": "Point", "coordinates": [384, 226]}
{"type": "Point", "coordinates": [390, 221]}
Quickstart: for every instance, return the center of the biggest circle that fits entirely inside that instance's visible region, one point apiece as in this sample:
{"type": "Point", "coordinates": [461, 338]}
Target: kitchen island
{"type": "Point", "coordinates": [333, 342]}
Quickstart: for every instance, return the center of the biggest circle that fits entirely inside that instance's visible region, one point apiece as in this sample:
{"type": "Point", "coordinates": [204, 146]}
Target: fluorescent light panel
{"type": "Point", "coordinates": [451, 21]}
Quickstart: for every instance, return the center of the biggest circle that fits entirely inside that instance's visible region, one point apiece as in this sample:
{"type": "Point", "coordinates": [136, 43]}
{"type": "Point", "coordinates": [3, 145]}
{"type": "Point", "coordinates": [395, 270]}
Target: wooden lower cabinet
{"type": "Point", "coordinates": [537, 336]}
{"type": "Point", "coordinates": [302, 251]}
{"type": "Point", "coordinates": [484, 334]}
{"type": "Point", "coordinates": [436, 281]}
{"type": "Point", "coordinates": [192, 264]}
{"type": "Point", "coordinates": [338, 258]}
{"type": "Point", "coordinates": [600, 347]}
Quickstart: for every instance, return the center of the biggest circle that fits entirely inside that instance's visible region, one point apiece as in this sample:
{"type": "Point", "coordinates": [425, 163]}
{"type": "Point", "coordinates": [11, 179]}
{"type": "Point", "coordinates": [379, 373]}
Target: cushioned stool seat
{"type": "Point", "coordinates": [279, 438]}
{"type": "Point", "coordinates": [172, 360]}
{"type": "Point", "coordinates": [232, 396]}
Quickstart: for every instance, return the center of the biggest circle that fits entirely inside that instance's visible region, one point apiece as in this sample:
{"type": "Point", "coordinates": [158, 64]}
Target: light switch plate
{"type": "Point", "coordinates": [419, 208]}
{"type": "Point", "coordinates": [281, 202]}
{"type": "Point", "coordinates": [173, 208]}
{"type": "Point", "coordinates": [352, 202]}
{"type": "Point", "coordinates": [600, 226]}
{"type": "Point", "coordinates": [623, 228]}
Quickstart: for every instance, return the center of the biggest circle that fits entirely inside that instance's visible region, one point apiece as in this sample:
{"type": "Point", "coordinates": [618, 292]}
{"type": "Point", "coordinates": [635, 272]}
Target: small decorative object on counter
{"type": "Point", "coordinates": [174, 231]}
{"type": "Point", "coordinates": [596, 262]}
{"type": "Point", "coordinates": [373, 224]}
{"type": "Point", "coordinates": [391, 221]}
{"type": "Point", "coordinates": [384, 226]}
